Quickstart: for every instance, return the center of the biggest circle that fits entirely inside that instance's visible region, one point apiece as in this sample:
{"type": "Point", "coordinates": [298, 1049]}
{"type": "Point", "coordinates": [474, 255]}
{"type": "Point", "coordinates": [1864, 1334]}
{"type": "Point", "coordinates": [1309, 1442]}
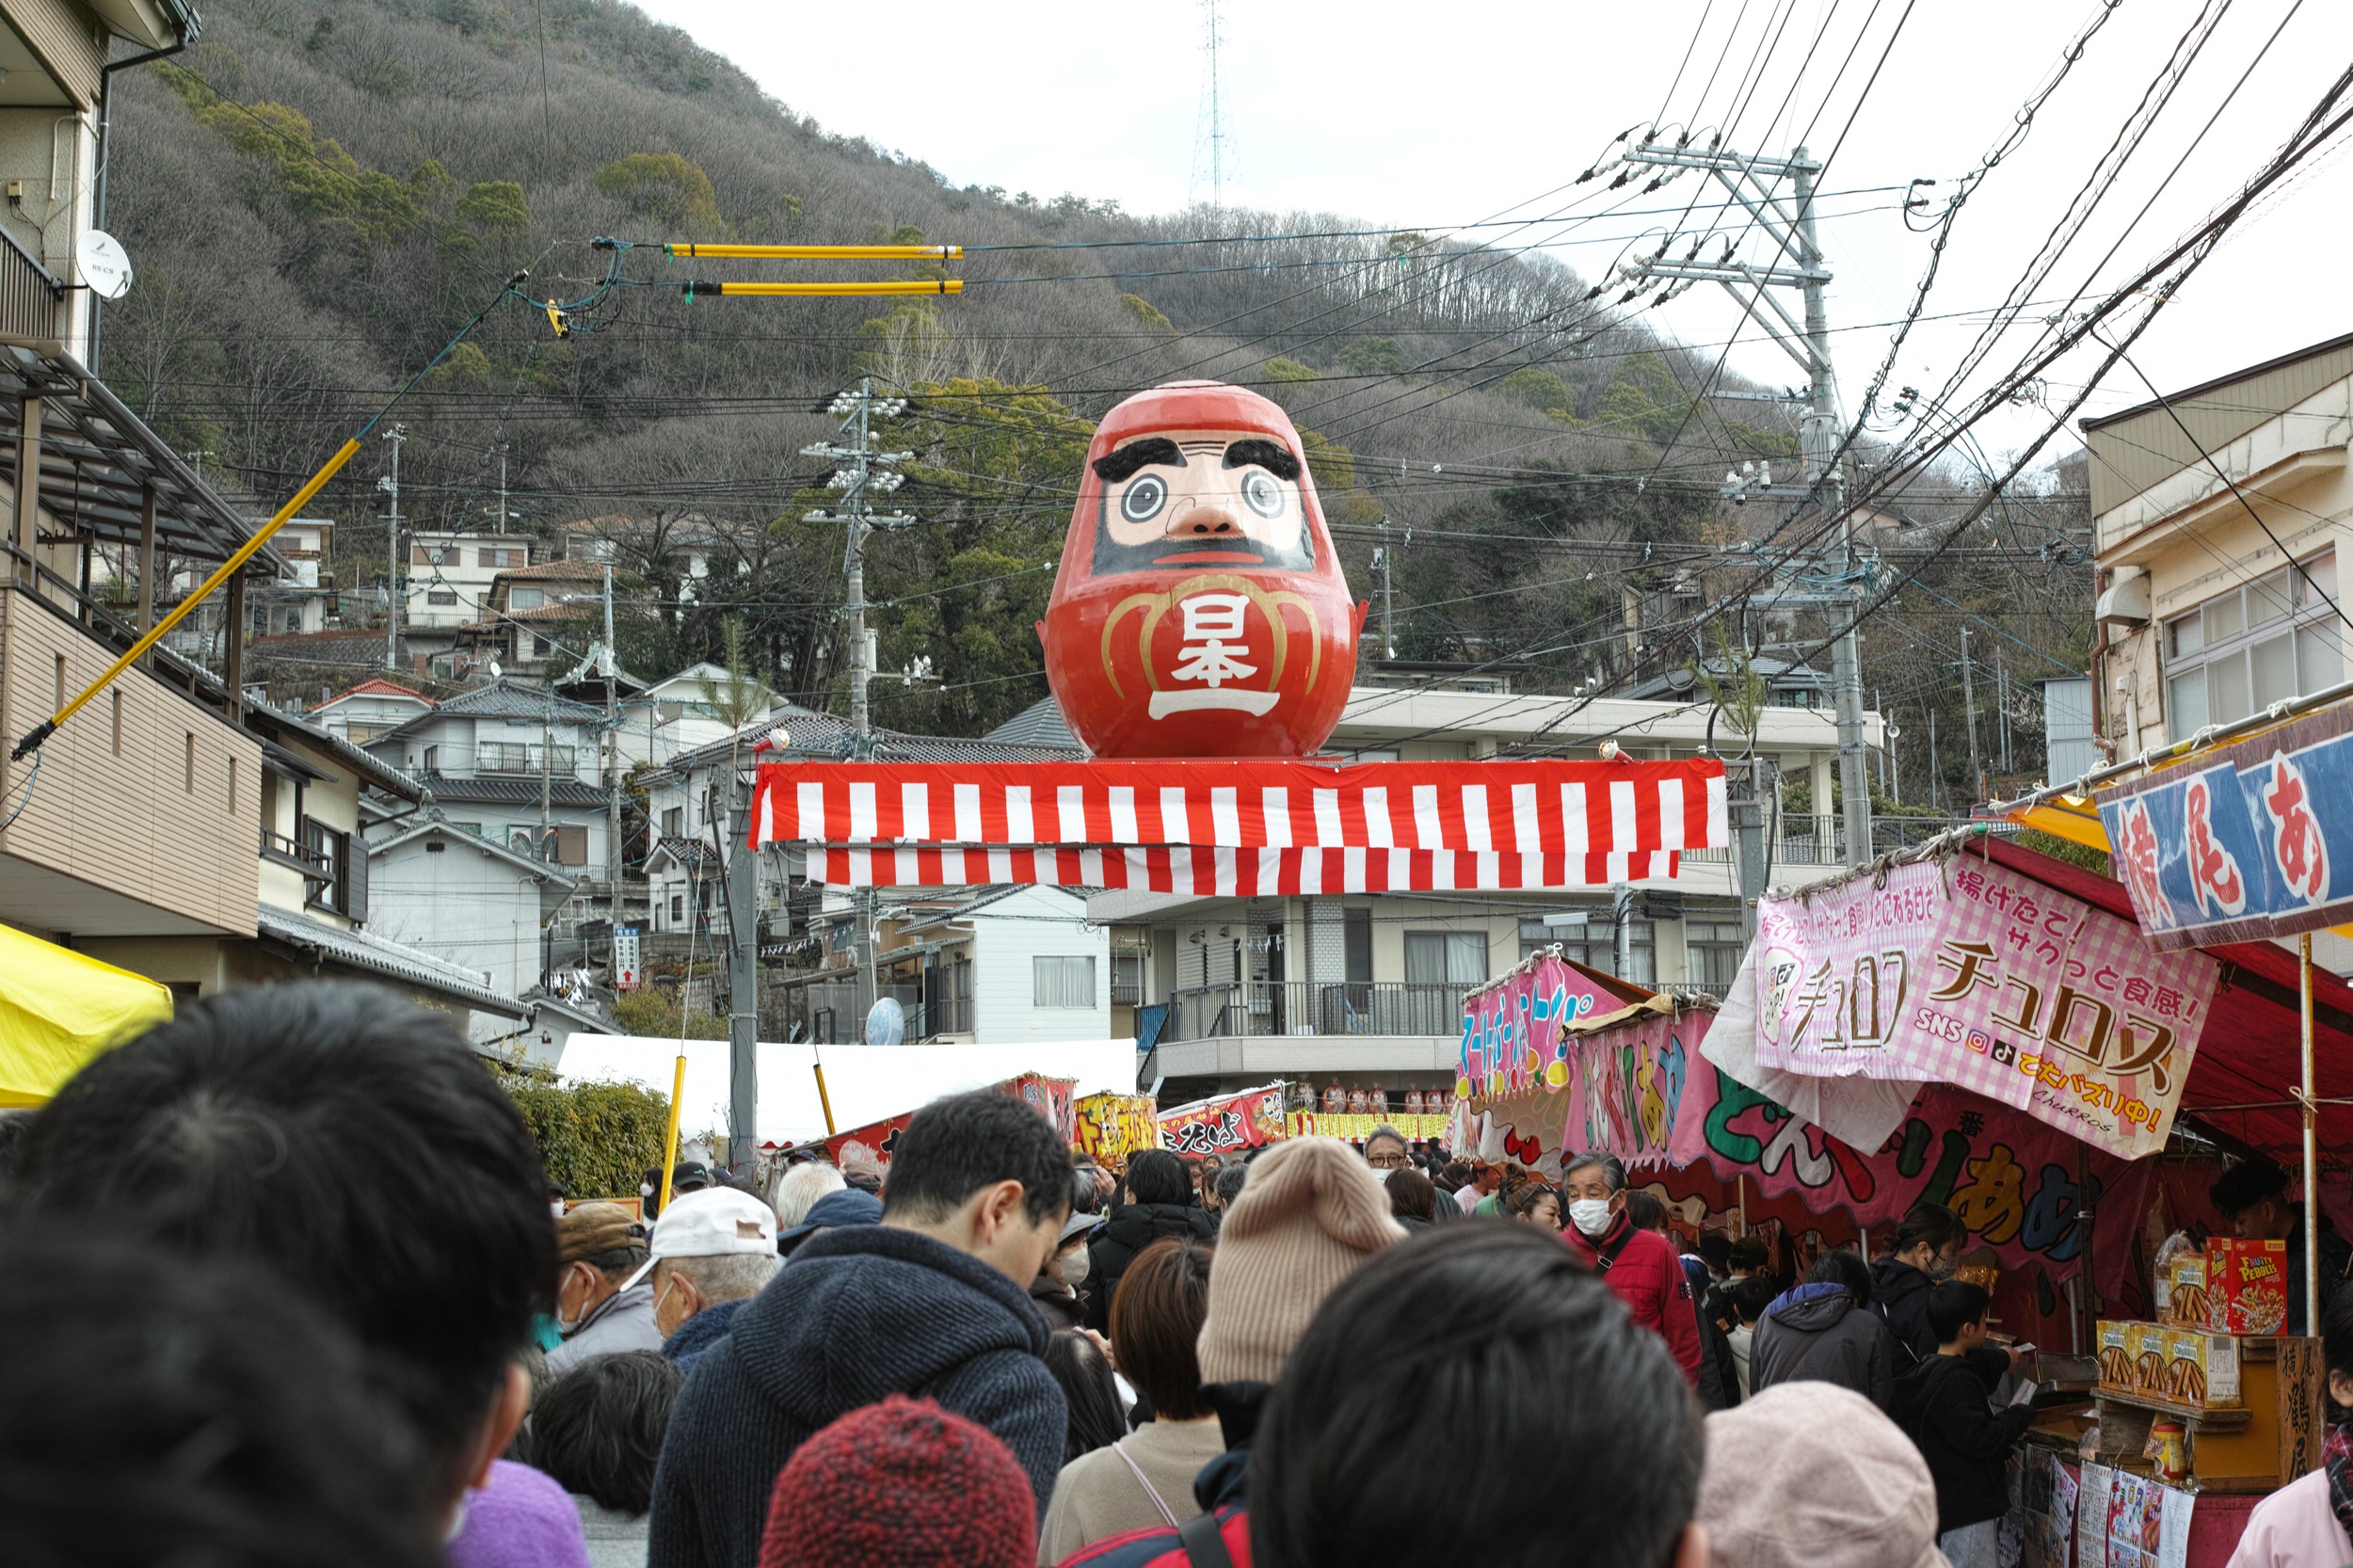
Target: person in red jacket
{"type": "Point", "coordinates": [1640, 1266]}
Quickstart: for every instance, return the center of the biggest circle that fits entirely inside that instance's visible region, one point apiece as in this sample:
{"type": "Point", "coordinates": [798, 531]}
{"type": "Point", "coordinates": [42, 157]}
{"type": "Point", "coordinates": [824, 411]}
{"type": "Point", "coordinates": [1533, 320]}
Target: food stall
{"type": "Point", "coordinates": [1996, 1030]}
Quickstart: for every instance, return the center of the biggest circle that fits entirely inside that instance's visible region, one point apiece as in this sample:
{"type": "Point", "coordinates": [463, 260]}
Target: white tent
{"type": "Point", "coordinates": [866, 1084]}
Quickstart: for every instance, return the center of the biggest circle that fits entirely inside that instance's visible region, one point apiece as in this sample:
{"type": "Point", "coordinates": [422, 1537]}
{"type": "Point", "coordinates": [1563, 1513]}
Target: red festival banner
{"type": "Point", "coordinates": [1226, 1124]}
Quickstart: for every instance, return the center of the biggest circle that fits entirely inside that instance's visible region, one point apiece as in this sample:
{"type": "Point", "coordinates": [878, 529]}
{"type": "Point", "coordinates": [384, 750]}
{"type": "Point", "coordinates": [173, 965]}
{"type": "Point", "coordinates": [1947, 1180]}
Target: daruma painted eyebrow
{"type": "Point", "coordinates": [1122, 462]}
{"type": "Point", "coordinates": [1267, 455]}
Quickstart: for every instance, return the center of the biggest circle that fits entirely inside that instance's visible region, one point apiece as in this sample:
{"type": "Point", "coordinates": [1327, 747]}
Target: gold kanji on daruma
{"type": "Point", "coordinates": [1210, 642]}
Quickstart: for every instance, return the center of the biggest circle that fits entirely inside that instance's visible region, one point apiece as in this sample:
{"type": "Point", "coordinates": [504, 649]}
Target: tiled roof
{"type": "Point", "coordinates": [558, 571]}
{"type": "Point", "coordinates": [507, 699]}
{"type": "Point", "coordinates": [694, 855]}
{"type": "Point", "coordinates": [377, 688]}
{"type": "Point", "coordinates": [375, 955]}
{"type": "Point", "coordinates": [512, 790]}
{"type": "Point", "coordinates": [1040, 724]}
{"type": "Point", "coordinates": [818, 737]}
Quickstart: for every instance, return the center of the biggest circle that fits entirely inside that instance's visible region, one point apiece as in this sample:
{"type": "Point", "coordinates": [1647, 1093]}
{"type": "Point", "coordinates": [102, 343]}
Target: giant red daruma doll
{"type": "Point", "coordinates": [1199, 610]}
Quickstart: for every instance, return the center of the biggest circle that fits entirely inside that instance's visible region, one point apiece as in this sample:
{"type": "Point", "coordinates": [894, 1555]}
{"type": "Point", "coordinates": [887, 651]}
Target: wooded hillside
{"type": "Point", "coordinates": [318, 196]}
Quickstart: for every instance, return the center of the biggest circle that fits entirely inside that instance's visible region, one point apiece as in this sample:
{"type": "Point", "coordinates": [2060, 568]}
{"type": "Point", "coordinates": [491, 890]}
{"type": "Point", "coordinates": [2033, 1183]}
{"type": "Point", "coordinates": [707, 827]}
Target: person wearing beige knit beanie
{"type": "Point", "coordinates": [1310, 1213]}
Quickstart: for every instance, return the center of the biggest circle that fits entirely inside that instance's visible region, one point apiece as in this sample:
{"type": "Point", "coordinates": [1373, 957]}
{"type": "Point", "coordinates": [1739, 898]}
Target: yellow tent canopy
{"type": "Point", "coordinates": [59, 1009]}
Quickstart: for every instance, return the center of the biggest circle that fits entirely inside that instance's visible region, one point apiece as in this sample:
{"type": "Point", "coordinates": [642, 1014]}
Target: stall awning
{"type": "Point", "coordinates": [59, 1009]}
{"type": "Point", "coordinates": [2244, 1079]}
{"type": "Point", "coordinates": [1217, 826]}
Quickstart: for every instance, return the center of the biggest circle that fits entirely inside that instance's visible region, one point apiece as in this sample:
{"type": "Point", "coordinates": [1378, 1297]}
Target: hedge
{"type": "Point", "coordinates": [597, 1140]}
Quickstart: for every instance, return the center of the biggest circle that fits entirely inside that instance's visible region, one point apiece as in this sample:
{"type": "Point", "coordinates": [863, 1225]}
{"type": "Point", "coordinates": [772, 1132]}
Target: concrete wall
{"type": "Point", "coordinates": [461, 904]}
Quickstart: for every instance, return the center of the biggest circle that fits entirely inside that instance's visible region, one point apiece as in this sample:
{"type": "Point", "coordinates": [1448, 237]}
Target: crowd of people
{"type": "Point", "coordinates": [284, 1284]}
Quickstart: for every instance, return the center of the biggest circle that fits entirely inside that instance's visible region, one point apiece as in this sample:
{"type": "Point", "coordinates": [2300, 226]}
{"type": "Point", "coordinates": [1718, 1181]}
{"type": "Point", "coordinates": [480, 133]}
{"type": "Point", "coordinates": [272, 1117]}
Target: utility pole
{"type": "Point", "coordinates": [1388, 592]}
{"type": "Point", "coordinates": [392, 592]}
{"type": "Point", "coordinates": [1969, 716]}
{"type": "Point", "coordinates": [863, 472]}
{"type": "Point", "coordinates": [1936, 780]}
{"type": "Point", "coordinates": [1796, 261]}
{"type": "Point", "coordinates": [546, 777]}
{"type": "Point", "coordinates": [743, 982]}
{"type": "Point", "coordinates": [504, 513]}
{"type": "Point", "coordinates": [2001, 705]}
{"type": "Point", "coordinates": [616, 862]}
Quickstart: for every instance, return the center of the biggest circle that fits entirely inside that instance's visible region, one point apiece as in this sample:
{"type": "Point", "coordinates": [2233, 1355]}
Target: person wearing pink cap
{"type": "Point", "coordinates": [1810, 1475]}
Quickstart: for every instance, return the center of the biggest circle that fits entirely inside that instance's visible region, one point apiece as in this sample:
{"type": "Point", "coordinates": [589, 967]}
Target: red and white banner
{"type": "Point", "coordinates": [1231, 872]}
{"type": "Point", "coordinates": [1301, 825]}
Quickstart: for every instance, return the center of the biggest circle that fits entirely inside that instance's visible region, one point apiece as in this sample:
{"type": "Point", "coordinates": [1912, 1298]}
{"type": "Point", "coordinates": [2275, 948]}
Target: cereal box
{"type": "Point", "coordinates": [2247, 1286]}
{"type": "Point", "coordinates": [2116, 1362]}
{"type": "Point", "coordinates": [2201, 1369]}
{"type": "Point", "coordinates": [2186, 1277]}
{"type": "Point", "coordinates": [2145, 1344]}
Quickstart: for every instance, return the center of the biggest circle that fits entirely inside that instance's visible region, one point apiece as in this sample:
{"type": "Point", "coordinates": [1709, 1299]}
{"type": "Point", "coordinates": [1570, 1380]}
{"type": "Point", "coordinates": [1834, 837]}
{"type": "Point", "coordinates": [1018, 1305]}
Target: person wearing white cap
{"type": "Point", "coordinates": [713, 1251]}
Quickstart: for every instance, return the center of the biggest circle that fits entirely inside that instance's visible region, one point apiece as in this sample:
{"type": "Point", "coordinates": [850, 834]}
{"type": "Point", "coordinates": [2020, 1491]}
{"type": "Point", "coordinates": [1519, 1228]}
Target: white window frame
{"type": "Point", "coordinates": [1062, 980]}
{"type": "Point", "coordinates": [2211, 652]}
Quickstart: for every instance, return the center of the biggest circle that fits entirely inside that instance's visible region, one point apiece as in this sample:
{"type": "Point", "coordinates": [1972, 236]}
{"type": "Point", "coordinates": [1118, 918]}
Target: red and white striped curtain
{"type": "Point", "coordinates": [1243, 827]}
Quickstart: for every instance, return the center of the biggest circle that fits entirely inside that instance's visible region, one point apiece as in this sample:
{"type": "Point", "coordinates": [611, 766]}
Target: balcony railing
{"type": "Point", "coordinates": [28, 293]}
{"type": "Point", "coordinates": [516, 757]}
{"type": "Point", "coordinates": [1315, 1007]}
{"type": "Point", "coordinates": [311, 862]}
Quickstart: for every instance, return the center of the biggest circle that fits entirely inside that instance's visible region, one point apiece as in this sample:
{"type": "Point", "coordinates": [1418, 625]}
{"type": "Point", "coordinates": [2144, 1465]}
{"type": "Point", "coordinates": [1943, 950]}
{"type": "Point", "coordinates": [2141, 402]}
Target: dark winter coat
{"type": "Point", "coordinates": [1941, 1403]}
{"type": "Point", "coordinates": [1817, 1332]}
{"type": "Point", "coordinates": [1720, 1374]}
{"type": "Point", "coordinates": [860, 1313]}
{"type": "Point", "coordinates": [1641, 1270]}
{"type": "Point", "coordinates": [701, 1331]}
{"type": "Point", "coordinates": [1131, 1230]}
{"type": "Point", "coordinates": [1056, 1303]}
{"type": "Point", "coordinates": [1899, 1294]}
{"type": "Point", "coordinates": [2336, 1263]}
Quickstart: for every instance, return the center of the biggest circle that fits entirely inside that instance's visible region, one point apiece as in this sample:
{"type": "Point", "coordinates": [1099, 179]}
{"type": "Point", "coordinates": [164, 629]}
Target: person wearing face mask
{"type": "Point", "coordinates": [602, 1301]}
{"type": "Point", "coordinates": [1924, 1253]}
{"type": "Point", "coordinates": [1640, 1266]}
{"type": "Point", "coordinates": [1056, 1288]}
{"type": "Point", "coordinates": [713, 1251]}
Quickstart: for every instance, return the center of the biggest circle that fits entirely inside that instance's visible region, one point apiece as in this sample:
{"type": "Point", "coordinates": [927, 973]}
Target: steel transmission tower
{"type": "Point", "coordinates": [1213, 131]}
{"type": "Point", "coordinates": [1778, 196]}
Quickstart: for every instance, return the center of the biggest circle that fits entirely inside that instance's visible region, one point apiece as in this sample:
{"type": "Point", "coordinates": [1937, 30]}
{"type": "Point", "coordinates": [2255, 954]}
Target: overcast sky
{"type": "Point", "coordinates": [1424, 118]}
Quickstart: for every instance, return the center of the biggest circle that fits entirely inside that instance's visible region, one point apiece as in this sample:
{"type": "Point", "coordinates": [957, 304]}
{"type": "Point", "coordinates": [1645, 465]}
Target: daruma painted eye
{"type": "Point", "coordinates": [1145, 499]}
{"type": "Point", "coordinates": [1264, 495]}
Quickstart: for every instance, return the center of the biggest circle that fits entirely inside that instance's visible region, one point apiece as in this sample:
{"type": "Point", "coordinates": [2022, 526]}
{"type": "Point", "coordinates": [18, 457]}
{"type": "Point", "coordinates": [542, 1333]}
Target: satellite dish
{"type": "Point", "coordinates": [106, 265]}
{"type": "Point", "coordinates": [495, 671]}
{"type": "Point", "coordinates": [886, 1023]}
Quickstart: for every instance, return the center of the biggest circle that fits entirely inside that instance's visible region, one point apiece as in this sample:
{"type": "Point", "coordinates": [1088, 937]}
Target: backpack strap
{"type": "Point", "coordinates": [1203, 1536]}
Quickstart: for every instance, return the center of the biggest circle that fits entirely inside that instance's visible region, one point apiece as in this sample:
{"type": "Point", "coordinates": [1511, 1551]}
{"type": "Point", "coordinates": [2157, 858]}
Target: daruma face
{"type": "Point", "coordinates": [1199, 610]}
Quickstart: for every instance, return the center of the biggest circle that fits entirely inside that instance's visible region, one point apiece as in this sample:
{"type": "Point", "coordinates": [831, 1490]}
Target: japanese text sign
{"type": "Point", "coordinates": [1969, 973]}
{"type": "Point", "coordinates": [1225, 1125]}
{"type": "Point", "coordinates": [1511, 1029]}
{"type": "Point", "coordinates": [1113, 1126]}
{"type": "Point", "coordinates": [2254, 841]}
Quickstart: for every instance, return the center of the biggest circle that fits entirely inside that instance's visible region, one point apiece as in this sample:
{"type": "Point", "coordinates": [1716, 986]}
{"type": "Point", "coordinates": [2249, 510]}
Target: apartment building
{"type": "Point", "coordinates": [515, 764]}
{"type": "Point", "coordinates": [450, 575]}
{"type": "Point", "coordinates": [533, 619]}
{"type": "Point", "coordinates": [2218, 600]}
